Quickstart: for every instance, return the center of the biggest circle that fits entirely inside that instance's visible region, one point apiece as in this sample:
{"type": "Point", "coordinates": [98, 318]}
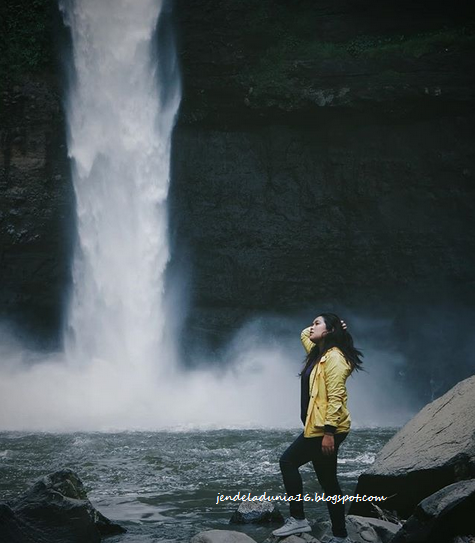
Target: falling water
{"type": "Point", "coordinates": [119, 142]}
{"type": "Point", "coordinates": [117, 371]}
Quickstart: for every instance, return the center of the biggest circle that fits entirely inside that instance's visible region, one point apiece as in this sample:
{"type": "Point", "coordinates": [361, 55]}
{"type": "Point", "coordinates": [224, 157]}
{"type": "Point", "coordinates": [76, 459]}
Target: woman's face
{"type": "Point", "coordinates": [318, 330]}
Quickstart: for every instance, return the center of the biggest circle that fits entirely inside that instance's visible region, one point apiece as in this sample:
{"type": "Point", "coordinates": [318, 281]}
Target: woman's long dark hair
{"type": "Point", "coordinates": [337, 337]}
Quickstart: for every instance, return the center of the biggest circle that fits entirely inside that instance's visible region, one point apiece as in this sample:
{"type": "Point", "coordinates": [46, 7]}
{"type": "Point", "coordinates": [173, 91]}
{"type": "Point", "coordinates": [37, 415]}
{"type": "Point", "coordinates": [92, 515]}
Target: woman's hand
{"type": "Point", "coordinates": [343, 325]}
{"type": "Point", "coordinates": [328, 445]}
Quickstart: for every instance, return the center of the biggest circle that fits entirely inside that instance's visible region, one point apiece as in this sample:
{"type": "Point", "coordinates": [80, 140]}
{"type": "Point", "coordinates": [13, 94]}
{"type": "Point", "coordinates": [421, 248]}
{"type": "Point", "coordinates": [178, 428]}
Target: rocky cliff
{"type": "Point", "coordinates": [323, 156]}
{"type": "Point", "coordinates": [36, 201]}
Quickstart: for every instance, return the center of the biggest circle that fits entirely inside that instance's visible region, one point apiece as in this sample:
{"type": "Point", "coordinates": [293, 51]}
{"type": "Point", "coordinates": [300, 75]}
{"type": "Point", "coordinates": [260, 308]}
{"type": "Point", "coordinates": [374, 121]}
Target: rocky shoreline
{"type": "Point", "coordinates": [54, 510]}
{"type": "Point", "coordinates": [437, 445]}
{"type": "Point", "coordinates": [428, 472]}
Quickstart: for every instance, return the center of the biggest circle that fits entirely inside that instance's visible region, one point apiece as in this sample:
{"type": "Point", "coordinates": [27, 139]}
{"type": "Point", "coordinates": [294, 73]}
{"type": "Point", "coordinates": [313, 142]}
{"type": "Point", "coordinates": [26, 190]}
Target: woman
{"type": "Point", "coordinates": [331, 357]}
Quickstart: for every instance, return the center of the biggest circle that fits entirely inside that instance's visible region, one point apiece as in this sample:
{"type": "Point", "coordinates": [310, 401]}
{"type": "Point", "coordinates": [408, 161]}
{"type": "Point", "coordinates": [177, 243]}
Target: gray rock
{"type": "Point", "coordinates": [434, 449]}
{"type": "Point", "coordinates": [221, 536]}
{"type": "Point", "coordinates": [295, 538]}
{"type": "Point", "coordinates": [388, 516]}
{"type": "Point", "coordinates": [368, 529]}
{"type": "Point", "coordinates": [54, 510]}
{"type": "Point", "coordinates": [256, 512]}
{"type": "Point", "coordinates": [361, 530]}
{"type": "Point", "coordinates": [442, 516]}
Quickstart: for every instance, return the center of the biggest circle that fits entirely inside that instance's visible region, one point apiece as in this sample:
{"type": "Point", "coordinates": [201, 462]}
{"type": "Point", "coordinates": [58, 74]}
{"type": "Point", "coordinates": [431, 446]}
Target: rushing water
{"type": "Point", "coordinates": [119, 141]}
{"type": "Point", "coordinates": [162, 486]}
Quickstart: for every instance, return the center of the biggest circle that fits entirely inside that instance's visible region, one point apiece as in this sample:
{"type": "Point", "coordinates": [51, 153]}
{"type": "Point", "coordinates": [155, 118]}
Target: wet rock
{"type": "Point", "coordinates": [294, 538]}
{"type": "Point", "coordinates": [256, 512]}
{"type": "Point", "coordinates": [221, 536]}
{"type": "Point", "coordinates": [388, 516]}
{"type": "Point", "coordinates": [442, 516]}
{"type": "Point", "coordinates": [361, 530]}
{"type": "Point", "coordinates": [370, 529]}
{"type": "Point", "coordinates": [434, 449]}
{"type": "Point", "coordinates": [366, 529]}
{"type": "Point", "coordinates": [54, 510]}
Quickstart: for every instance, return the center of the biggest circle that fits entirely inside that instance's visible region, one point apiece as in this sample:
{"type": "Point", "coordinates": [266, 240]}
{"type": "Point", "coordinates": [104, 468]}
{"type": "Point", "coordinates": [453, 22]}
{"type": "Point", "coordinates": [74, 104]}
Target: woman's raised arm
{"type": "Point", "coordinates": [305, 339]}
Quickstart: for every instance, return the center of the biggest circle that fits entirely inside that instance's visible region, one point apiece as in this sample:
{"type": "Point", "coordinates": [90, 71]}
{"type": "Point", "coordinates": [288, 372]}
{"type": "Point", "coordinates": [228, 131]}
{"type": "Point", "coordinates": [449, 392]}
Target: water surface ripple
{"type": "Point", "coordinates": [162, 486]}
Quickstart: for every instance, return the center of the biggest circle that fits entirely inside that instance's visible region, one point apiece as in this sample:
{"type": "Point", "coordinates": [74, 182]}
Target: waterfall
{"type": "Point", "coordinates": [117, 371]}
{"type": "Point", "coordinates": [119, 142]}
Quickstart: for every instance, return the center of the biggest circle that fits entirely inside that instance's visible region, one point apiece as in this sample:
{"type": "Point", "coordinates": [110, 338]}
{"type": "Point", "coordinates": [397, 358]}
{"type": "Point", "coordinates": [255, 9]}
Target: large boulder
{"type": "Point", "coordinates": [434, 449]}
{"type": "Point", "coordinates": [441, 516]}
{"type": "Point", "coordinates": [54, 510]}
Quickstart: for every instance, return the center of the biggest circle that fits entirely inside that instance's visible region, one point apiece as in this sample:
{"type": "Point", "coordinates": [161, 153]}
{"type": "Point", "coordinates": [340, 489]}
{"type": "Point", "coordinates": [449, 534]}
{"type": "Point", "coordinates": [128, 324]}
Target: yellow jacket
{"type": "Point", "coordinates": [327, 391]}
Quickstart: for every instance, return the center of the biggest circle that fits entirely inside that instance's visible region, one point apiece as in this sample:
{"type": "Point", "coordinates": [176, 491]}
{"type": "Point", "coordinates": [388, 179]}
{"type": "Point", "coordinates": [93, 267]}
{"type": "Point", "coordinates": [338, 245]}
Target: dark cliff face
{"type": "Point", "coordinates": [323, 157]}
{"type": "Point", "coordinates": [36, 200]}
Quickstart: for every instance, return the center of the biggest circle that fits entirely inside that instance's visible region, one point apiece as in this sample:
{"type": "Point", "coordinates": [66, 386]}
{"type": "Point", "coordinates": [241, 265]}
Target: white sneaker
{"type": "Point", "coordinates": [293, 526]}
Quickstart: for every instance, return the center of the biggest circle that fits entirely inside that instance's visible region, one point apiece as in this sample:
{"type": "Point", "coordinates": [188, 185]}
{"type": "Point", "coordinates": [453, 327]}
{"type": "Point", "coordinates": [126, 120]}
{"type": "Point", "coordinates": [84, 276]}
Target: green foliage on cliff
{"type": "Point", "coordinates": [278, 63]}
{"type": "Point", "coordinates": [292, 48]}
{"type": "Point", "coordinates": [411, 46]}
{"type": "Point", "coordinates": [26, 43]}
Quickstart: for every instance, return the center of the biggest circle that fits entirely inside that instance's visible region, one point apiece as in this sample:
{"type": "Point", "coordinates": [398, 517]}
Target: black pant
{"type": "Point", "coordinates": [309, 449]}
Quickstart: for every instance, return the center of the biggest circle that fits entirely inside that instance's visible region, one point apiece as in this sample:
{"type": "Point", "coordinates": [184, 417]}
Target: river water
{"type": "Point", "coordinates": [162, 486]}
